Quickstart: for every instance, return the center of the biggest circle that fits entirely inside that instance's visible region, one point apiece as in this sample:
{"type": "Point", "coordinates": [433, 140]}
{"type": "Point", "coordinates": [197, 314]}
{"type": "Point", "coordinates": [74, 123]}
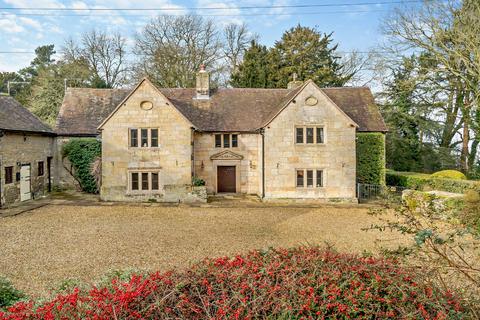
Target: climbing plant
{"type": "Point", "coordinates": [371, 158]}
{"type": "Point", "coordinates": [82, 153]}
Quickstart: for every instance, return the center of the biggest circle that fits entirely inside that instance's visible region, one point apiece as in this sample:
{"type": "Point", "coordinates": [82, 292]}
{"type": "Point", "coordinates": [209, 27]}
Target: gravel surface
{"type": "Point", "coordinates": [41, 248]}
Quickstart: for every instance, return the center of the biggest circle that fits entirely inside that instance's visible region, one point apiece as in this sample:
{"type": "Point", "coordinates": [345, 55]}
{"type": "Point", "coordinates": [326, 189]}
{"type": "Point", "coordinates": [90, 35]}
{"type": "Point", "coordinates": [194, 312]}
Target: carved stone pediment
{"type": "Point", "coordinates": [226, 155]}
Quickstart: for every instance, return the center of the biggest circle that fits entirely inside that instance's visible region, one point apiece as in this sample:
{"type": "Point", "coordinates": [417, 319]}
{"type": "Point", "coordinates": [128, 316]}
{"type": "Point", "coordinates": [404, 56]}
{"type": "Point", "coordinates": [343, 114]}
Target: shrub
{"type": "Point", "coordinates": [420, 181]}
{"type": "Point", "coordinates": [371, 158]}
{"type": "Point", "coordinates": [82, 153]}
{"type": "Point", "coordinates": [449, 174]}
{"type": "Point", "coordinates": [8, 294]}
{"type": "Point", "coordinates": [300, 283]}
{"type": "Point", "coordinates": [197, 182]}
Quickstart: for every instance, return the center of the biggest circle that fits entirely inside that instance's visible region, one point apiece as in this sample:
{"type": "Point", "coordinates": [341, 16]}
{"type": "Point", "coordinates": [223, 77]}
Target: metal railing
{"type": "Point", "coordinates": [373, 192]}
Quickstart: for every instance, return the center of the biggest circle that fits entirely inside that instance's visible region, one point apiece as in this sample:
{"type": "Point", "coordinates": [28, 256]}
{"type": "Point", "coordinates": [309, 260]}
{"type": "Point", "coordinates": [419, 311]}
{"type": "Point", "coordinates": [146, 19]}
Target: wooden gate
{"type": "Point", "coordinates": [226, 179]}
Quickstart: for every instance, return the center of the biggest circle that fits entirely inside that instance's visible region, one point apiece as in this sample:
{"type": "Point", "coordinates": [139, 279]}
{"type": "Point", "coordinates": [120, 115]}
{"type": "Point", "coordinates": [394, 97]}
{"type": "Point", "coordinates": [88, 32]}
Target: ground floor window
{"type": "Point", "coordinates": [8, 175]}
{"type": "Point", "coordinates": [40, 168]}
{"type": "Point", "coordinates": [144, 181]}
{"type": "Point", "coordinates": [309, 178]}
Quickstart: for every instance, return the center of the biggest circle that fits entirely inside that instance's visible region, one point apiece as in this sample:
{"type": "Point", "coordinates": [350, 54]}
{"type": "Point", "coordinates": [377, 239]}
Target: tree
{"type": "Point", "coordinates": [253, 71]}
{"type": "Point", "coordinates": [104, 54]}
{"type": "Point", "coordinates": [237, 39]}
{"type": "Point", "coordinates": [172, 48]}
{"type": "Point", "coordinates": [43, 59]}
{"type": "Point", "coordinates": [308, 53]}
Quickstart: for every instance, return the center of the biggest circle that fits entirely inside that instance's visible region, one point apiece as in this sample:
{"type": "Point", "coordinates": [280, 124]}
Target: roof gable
{"type": "Point", "coordinates": [227, 110]}
{"type": "Point", "coordinates": [15, 117]}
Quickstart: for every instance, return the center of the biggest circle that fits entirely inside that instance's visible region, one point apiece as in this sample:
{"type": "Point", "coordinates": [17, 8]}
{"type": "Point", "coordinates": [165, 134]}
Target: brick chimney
{"type": "Point", "coordinates": [203, 83]}
{"type": "Point", "coordinates": [295, 83]}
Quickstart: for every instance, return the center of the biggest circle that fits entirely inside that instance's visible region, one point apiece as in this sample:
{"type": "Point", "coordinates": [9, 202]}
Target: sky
{"type": "Point", "coordinates": [354, 27]}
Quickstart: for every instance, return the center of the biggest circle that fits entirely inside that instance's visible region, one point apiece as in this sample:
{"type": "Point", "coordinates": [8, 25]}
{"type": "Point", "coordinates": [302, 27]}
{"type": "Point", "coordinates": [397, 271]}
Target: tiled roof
{"type": "Point", "coordinates": [15, 117]}
{"type": "Point", "coordinates": [228, 109]}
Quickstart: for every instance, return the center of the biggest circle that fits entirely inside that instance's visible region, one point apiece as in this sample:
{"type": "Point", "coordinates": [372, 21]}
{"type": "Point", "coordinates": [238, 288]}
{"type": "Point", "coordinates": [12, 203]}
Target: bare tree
{"type": "Point", "coordinates": [105, 54]}
{"type": "Point", "coordinates": [237, 40]}
{"type": "Point", "coordinates": [172, 48]}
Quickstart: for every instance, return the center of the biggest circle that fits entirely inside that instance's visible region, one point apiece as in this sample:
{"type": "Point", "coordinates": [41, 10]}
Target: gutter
{"type": "Point", "coordinates": [262, 132]}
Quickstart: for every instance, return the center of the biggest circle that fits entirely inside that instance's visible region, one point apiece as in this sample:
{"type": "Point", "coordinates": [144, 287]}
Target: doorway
{"type": "Point", "coordinates": [226, 179]}
{"type": "Point", "coordinates": [25, 185]}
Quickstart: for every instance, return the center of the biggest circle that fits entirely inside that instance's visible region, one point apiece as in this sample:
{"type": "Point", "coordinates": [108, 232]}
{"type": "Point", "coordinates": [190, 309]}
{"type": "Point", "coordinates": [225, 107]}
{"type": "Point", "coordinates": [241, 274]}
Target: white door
{"type": "Point", "coordinates": [25, 193]}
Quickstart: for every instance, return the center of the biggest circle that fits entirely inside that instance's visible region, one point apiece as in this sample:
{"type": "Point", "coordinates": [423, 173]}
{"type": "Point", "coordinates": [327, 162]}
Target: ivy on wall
{"type": "Point", "coordinates": [82, 153]}
{"type": "Point", "coordinates": [371, 158]}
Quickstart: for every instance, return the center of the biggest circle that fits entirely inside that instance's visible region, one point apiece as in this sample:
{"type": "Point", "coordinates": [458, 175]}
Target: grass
{"type": "Point", "coordinates": [42, 248]}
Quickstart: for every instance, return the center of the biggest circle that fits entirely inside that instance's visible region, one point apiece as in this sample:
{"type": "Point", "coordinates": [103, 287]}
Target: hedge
{"type": "Point", "coordinates": [371, 158]}
{"type": "Point", "coordinates": [419, 181]}
{"type": "Point", "coordinates": [82, 153]}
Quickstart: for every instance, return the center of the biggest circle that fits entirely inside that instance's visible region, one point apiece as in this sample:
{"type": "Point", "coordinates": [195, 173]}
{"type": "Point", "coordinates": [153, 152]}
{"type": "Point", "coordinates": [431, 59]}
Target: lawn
{"type": "Point", "coordinates": [41, 248]}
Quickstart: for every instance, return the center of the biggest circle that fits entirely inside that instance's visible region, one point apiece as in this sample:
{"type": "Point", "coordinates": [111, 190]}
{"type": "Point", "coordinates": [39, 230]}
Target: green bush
{"type": "Point", "coordinates": [371, 158]}
{"type": "Point", "coordinates": [82, 153]}
{"type": "Point", "coordinates": [420, 181]}
{"type": "Point", "coordinates": [197, 182]}
{"type": "Point", "coordinates": [8, 294]}
{"type": "Point", "coordinates": [449, 174]}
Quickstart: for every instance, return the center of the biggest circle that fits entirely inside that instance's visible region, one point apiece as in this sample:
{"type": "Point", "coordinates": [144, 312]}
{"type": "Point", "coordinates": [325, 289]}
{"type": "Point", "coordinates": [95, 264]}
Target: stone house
{"type": "Point", "coordinates": [296, 143]}
{"type": "Point", "coordinates": [27, 148]}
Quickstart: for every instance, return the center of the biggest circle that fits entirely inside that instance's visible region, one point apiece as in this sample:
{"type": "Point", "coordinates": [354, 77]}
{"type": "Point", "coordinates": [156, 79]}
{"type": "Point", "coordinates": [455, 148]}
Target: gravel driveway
{"type": "Point", "coordinates": [41, 248]}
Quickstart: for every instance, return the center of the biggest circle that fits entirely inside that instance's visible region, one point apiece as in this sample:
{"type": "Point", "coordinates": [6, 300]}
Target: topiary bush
{"type": "Point", "coordinates": [297, 283]}
{"type": "Point", "coordinates": [81, 153]}
{"type": "Point", "coordinates": [449, 174]}
{"type": "Point", "coordinates": [8, 294]}
{"type": "Point", "coordinates": [371, 158]}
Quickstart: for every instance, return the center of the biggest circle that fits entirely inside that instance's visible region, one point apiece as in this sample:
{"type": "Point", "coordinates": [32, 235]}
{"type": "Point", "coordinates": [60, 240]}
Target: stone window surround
{"type": "Point", "coordinates": [140, 191]}
{"type": "Point", "coordinates": [10, 179]}
{"type": "Point", "coordinates": [310, 125]}
{"type": "Point", "coordinates": [139, 138]}
{"type": "Point", "coordinates": [222, 146]}
{"type": "Point", "coordinates": [305, 187]}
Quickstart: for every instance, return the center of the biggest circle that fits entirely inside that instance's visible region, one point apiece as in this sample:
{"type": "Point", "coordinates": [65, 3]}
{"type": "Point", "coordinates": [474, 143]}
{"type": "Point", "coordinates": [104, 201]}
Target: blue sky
{"type": "Point", "coordinates": [354, 27]}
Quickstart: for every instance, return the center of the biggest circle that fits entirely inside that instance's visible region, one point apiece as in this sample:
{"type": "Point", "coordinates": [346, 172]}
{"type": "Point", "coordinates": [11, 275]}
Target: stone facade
{"type": "Point", "coordinates": [19, 149]}
{"type": "Point", "coordinates": [146, 107]}
{"type": "Point", "coordinates": [336, 156]}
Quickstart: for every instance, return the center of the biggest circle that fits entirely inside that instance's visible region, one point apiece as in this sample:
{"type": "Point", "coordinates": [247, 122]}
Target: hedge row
{"type": "Point", "coordinates": [426, 182]}
{"type": "Point", "coordinates": [371, 158]}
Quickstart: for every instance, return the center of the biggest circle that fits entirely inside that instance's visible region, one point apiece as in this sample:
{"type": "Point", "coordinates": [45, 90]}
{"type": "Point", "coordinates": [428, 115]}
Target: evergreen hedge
{"type": "Point", "coordinates": [81, 153]}
{"type": "Point", "coordinates": [371, 158]}
{"type": "Point", "coordinates": [419, 181]}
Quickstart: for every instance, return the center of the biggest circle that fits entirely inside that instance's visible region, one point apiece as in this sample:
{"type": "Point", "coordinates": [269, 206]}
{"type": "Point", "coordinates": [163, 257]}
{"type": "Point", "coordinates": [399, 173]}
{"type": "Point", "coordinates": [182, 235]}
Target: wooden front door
{"type": "Point", "coordinates": [226, 179]}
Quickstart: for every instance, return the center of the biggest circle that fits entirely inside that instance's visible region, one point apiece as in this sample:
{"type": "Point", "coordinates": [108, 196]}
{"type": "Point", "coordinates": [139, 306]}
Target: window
{"type": "Point", "coordinates": [144, 180]}
{"type": "Point", "coordinates": [154, 138]}
{"type": "Point", "coordinates": [133, 138]}
{"type": "Point", "coordinates": [309, 135]}
{"type": "Point", "coordinates": [154, 181]}
{"type": "Point", "coordinates": [8, 175]}
{"type": "Point", "coordinates": [319, 178]}
{"type": "Point", "coordinates": [144, 134]}
{"type": "Point", "coordinates": [299, 135]}
{"type": "Point", "coordinates": [300, 178]}
{"type": "Point", "coordinates": [134, 180]}
{"type": "Point", "coordinates": [319, 135]}
{"type": "Point", "coordinates": [309, 178]}
{"type": "Point", "coordinates": [226, 141]}
{"type": "Point", "coordinates": [144, 138]}
{"type": "Point", "coordinates": [40, 168]}
{"type": "Point", "coordinates": [218, 141]}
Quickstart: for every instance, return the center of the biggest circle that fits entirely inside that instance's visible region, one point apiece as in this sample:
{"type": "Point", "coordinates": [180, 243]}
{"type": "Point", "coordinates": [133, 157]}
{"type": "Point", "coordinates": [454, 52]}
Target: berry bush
{"type": "Point", "coordinates": [299, 283]}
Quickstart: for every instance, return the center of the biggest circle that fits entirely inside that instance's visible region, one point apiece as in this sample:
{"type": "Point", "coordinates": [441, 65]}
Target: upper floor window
{"type": "Point", "coordinates": [147, 138]}
{"type": "Point", "coordinates": [226, 140]}
{"type": "Point", "coordinates": [309, 135]}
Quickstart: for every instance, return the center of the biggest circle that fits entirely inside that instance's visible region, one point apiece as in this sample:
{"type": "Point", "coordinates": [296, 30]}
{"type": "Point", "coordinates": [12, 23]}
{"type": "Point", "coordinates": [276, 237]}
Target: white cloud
{"type": "Point", "coordinates": [30, 22]}
{"type": "Point", "coordinates": [9, 24]}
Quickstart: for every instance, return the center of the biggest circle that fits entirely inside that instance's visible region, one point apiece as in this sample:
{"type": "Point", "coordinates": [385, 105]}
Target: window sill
{"type": "Point", "coordinates": [143, 193]}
